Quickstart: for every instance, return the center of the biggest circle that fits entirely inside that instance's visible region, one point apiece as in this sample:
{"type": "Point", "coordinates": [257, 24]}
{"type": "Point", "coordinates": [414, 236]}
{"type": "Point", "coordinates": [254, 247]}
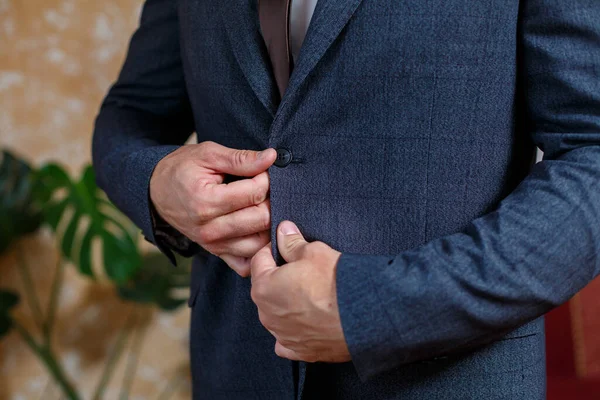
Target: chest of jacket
{"type": "Point", "coordinates": [400, 115]}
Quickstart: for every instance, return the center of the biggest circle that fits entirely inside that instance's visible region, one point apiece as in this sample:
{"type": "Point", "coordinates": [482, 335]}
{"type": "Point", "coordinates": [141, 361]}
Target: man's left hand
{"type": "Point", "coordinates": [297, 302]}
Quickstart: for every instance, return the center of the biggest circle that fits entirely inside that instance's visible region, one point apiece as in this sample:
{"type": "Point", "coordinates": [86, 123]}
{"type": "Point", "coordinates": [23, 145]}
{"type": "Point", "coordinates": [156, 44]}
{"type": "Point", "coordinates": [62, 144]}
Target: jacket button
{"type": "Point", "coordinates": [284, 158]}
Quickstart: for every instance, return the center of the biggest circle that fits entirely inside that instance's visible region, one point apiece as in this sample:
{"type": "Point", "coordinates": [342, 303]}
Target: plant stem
{"type": "Point", "coordinates": [30, 292]}
{"type": "Point", "coordinates": [48, 358]}
{"type": "Point", "coordinates": [132, 362]}
{"type": "Point", "coordinates": [52, 303]}
{"type": "Point", "coordinates": [114, 356]}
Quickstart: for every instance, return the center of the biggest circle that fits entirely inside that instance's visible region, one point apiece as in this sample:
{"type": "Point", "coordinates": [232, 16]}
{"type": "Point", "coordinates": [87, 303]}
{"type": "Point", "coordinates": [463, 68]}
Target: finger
{"type": "Point", "coordinates": [290, 241]}
{"type": "Point", "coordinates": [262, 262]}
{"type": "Point", "coordinates": [226, 198]}
{"type": "Point", "coordinates": [273, 333]}
{"type": "Point", "coordinates": [247, 221]}
{"type": "Point", "coordinates": [262, 320]}
{"type": "Point", "coordinates": [241, 265]}
{"type": "Point", "coordinates": [235, 161]}
{"type": "Point", "coordinates": [284, 352]}
{"type": "Point", "coordinates": [246, 246]}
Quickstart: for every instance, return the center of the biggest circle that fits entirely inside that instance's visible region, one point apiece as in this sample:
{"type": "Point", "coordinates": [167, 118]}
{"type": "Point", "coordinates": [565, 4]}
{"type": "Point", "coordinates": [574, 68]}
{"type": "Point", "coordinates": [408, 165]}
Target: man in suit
{"type": "Point", "coordinates": [363, 210]}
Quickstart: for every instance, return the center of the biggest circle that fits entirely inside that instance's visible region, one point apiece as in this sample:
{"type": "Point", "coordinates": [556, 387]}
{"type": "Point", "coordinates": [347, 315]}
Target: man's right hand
{"type": "Point", "coordinates": [230, 220]}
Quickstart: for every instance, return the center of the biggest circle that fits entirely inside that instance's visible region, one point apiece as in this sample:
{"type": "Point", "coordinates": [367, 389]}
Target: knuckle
{"type": "Point", "coordinates": [212, 250]}
{"type": "Point", "coordinates": [217, 196]}
{"type": "Point", "coordinates": [307, 253]}
{"type": "Point", "coordinates": [195, 234]}
{"type": "Point", "coordinates": [205, 235]}
{"type": "Point", "coordinates": [222, 247]}
{"type": "Point", "coordinates": [320, 246]}
{"type": "Point", "coordinates": [207, 152]}
{"type": "Point", "coordinates": [243, 272]}
{"type": "Point", "coordinates": [314, 249]}
{"type": "Point", "coordinates": [258, 196]}
{"type": "Point", "coordinates": [197, 188]}
{"type": "Point", "coordinates": [240, 157]}
{"type": "Point", "coordinates": [265, 220]}
{"type": "Point", "coordinates": [278, 351]}
{"type": "Point", "coordinates": [201, 149]}
{"type": "Point", "coordinates": [252, 251]}
{"type": "Point", "coordinates": [243, 252]}
{"type": "Point", "coordinates": [264, 238]}
{"type": "Point", "coordinates": [207, 146]}
{"type": "Point", "coordinates": [217, 248]}
{"type": "Point", "coordinates": [255, 295]}
{"type": "Point", "coordinates": [258, 292]}
{"type": "Point", "coordinates": [311, 358]}
{"type": "Point", "coordinates": [203, 214]}
{"type": "Point", "coordinates": [264, 320]}
{"type": "Point", "coordinates": [254, 261]}
{"type": "Point", "coordinates": [298, 247]}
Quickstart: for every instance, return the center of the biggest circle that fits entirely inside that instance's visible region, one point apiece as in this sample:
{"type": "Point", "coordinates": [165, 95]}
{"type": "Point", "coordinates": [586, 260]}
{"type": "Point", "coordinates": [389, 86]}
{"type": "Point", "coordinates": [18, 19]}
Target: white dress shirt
{"type": "Point", "coordinates": [301, 12]}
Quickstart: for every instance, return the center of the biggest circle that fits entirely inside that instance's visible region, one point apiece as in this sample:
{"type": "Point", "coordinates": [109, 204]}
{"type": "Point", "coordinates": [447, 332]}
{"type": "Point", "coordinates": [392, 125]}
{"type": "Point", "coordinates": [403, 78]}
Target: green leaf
{"type": "Point", "coordinates": [79, 214]}
{"type": "Point", "coordinates": [18, 214]}
{"type": "Point", "coordinates": [8, 300]}
{"type": "Point", "coordinates": [157, 282]}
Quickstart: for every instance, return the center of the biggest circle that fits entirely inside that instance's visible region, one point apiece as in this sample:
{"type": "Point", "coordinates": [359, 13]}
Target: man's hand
{"type": "Point", "coordinates": [297, 302]}
{"type": "Point", "coordinates": [229, 220]}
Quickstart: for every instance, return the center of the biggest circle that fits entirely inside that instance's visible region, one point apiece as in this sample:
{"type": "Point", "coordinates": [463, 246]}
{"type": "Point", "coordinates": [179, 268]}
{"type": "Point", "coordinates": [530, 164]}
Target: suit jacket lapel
{"type": "Point", "coordinates": [329, 18]}
{"type": "Point", "coordinates": [241, 20]}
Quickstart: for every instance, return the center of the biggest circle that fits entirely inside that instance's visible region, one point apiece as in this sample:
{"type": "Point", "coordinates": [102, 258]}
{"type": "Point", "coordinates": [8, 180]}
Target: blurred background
{"type": "Point", "coordinates": [111, 330]}
{"type": "Point", "coordinates": [87, 309]}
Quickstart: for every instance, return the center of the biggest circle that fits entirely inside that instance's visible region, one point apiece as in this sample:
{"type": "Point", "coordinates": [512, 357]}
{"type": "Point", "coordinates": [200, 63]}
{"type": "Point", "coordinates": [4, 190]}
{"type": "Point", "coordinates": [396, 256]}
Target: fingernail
{"type": "Point", "coordinates": [262, 154]}
{"type": "Point", "coordinates": [288, 228]}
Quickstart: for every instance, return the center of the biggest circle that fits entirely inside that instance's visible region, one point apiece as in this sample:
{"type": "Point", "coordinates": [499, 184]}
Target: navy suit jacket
{"type": "Point", "coordinates": [412, 125]}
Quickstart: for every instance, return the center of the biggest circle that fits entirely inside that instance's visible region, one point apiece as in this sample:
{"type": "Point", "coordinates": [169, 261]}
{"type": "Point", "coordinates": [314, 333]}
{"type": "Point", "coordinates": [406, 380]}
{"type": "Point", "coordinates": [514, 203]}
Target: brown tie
{"type": "Point", "coordinates": [274, 16]}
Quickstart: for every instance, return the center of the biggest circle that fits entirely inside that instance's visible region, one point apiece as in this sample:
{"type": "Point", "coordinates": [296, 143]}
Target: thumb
{"type": "Point", "coordinates": [290, 241]}
{"type": "Point", "coordinates": [262, 262]}
{"type": "Point", "coordinates": [240, 162]}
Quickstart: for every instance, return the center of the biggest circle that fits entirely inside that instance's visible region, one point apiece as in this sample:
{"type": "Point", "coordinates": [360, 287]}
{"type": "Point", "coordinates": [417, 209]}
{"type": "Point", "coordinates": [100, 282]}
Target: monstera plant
{"type": "Point", "coordinates": [81, 219]}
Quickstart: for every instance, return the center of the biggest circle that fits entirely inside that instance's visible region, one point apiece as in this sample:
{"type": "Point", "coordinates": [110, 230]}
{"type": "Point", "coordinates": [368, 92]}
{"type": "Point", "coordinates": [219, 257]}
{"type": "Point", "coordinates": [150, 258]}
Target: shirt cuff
{"type": "Point", "coordinates": [166, 237]}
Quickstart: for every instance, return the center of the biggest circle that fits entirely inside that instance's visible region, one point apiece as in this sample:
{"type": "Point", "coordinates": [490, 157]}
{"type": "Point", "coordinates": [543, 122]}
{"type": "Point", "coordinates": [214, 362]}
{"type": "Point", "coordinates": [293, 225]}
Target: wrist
{"type": "Point", "coordinates": [154, 191]}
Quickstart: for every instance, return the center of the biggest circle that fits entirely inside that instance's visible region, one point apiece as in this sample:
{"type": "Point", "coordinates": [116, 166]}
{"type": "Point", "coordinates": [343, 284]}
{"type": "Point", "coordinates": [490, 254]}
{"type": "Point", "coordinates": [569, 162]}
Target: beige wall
{"type": "Point", "coordinates": [57, 60]}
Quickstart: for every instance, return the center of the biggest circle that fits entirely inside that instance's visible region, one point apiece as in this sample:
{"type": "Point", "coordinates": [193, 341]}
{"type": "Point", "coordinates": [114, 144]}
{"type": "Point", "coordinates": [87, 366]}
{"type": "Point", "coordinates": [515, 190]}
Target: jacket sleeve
{"type": "Point", "coordinates": [145, 116]}
{"type": "Point", "coordinates": [534, 252]}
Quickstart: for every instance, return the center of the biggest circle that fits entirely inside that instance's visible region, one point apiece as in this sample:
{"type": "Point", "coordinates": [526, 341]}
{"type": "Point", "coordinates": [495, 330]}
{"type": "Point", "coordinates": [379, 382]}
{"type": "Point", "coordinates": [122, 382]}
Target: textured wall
{"type": "Point", "coordinates": [57, 60]}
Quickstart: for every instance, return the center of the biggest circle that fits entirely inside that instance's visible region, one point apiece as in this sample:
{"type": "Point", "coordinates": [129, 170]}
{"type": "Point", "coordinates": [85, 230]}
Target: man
{"type": "Point", "coordinates": [393, 239]}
